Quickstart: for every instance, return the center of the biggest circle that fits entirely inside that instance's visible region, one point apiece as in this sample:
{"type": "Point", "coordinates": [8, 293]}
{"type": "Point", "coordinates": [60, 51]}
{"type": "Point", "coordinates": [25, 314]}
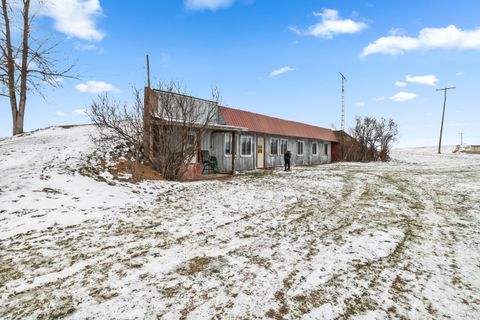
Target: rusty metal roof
{"type": "Point", "coordinates": [274, 126]}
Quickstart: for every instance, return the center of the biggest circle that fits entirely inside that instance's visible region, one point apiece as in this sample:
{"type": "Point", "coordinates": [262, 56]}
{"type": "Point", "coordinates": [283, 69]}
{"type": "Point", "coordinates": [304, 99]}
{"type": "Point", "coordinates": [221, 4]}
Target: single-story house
{"type": "Point", "coordinates": [242, 140]}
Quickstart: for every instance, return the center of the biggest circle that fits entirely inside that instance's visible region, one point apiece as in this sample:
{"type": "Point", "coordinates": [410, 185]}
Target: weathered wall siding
{"type": "Point", "coordinates": [224, 161]}
{"type": "Point", "coordinates": [198, 110]}
{"type": "Point", "coordinates": [297, 160]}
{"type": "Point", "coordinates": [216, 147]}
{"type": "Point", "coordinates": [329, 156]}
{"type": "Point", "coordinates": [205, 142]}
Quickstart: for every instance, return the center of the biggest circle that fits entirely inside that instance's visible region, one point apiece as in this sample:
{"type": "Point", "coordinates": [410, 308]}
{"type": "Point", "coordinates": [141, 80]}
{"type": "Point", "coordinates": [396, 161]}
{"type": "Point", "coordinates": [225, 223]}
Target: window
{"type": "Point", "coordinates": [191, 147]}
{"type": "Point", "coordinates": [300, 148]}
{"type": "Point", "coordinates": [228, 144]}
{"type": "Point", "coordinates": [274, 146]}
{"type": "Point", "coordinates": [191, 140]}
{"type": "Point", "coordinates": [283, 146]}
{"type": "Point", "coordinates": [325, 149]}
{"type": "Point", "coordinates": [314, 149]}
{"type": "Point", "coordinates": [246, 145]}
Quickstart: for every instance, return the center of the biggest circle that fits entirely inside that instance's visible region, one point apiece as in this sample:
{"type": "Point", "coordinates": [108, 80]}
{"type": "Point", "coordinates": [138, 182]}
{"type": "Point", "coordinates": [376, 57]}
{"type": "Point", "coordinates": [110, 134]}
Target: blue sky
{"type": "Point", "coordinates": [279, 58]}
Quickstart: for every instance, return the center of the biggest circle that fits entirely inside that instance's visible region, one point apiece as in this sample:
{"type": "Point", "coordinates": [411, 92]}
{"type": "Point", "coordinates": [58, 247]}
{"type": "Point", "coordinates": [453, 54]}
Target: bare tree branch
{"type": "Point", "coordinates": [26, 66]}
{"type": "Point", "coordinates": [166, 138]}
{"type": "Point", "coordinates": [371, 140]}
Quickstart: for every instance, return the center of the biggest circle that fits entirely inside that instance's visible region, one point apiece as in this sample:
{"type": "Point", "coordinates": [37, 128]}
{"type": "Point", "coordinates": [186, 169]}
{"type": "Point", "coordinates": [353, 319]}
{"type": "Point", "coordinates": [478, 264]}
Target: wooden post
{"type": "Point", "coordinates": [443, 116]}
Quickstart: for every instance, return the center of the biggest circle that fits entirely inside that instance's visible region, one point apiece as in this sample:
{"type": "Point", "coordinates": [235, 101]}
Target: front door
{"type": "Point", "coordinates": [260, 152]}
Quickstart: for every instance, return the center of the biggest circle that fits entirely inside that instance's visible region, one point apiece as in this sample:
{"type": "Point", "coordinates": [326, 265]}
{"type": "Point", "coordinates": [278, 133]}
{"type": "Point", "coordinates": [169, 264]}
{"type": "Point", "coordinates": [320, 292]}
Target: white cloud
{"type": "Point", "coordinates": [95, 87]}
{"type": "Point", "coordinates": [379, 99]}
{"type": "Point", "coordinates": [331, 25]}
{"type": "Point", "coordinates": [403, 96]}
{"type": "Point", "coordinates": [450, 37]}
{"type": "Point", "coordinates": [75, 18]}
{"type": "Point", "coordinates": [461, 73]}
{"type": "Point", "coordinates": [79, 112]}
{"type": "Point", "coordinates": [400, 84]}
{"type": "Point", "coordinates": [360, 104]}
{"type": "Point", "coordinates": [278, 72]}
{"type": "Point", "coordinates": [60, 114]}
{"type": "Point", "coordinates": [211, 5]}
{"type": "Point", "coordinates": [430, 79]}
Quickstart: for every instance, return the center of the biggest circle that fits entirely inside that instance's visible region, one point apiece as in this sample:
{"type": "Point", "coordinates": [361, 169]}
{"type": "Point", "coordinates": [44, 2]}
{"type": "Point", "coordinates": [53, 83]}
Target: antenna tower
{"type": "Point", "coordinates": [342, 121]}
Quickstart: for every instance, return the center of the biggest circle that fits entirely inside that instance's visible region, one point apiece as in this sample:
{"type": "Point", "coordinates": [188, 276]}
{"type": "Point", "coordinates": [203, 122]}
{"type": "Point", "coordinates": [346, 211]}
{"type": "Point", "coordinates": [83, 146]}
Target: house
{"type": "Point", "coordinates": [242, 140]}
{"type": "Point", "coordinates": [474, 148]}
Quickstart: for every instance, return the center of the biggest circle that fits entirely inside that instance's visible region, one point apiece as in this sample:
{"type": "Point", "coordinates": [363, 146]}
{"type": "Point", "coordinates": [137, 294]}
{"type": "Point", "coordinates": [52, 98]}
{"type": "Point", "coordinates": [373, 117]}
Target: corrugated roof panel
{"type": "Point", "coordinates": [275, 126]}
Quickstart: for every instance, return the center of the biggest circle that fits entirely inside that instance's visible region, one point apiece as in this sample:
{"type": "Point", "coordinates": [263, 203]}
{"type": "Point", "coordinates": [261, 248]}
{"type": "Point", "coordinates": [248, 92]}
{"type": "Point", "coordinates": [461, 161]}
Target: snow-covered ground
{"type": "Point", "coordinates": [339, 241]}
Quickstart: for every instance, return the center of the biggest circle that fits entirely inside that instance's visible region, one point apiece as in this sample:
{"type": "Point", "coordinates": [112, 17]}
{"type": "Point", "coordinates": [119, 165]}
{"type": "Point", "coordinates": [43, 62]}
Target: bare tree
{"type": "Point", "coordinates": [387, 131]}
{"type": "Point", "coordinates": [119, 124]}
{"type": "Point", "coordinates": [177, 124]}
{"type": "Point", "coordinates": [25, 66]}
{"type": "Point", "coordinates": [163, 130]}
{"type": "Point", "coordinates": [370, 140]}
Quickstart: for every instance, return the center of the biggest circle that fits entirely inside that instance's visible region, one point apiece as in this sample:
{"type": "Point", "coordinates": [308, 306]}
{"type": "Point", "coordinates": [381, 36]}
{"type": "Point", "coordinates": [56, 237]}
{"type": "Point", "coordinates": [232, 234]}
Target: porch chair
{"type": "Point", "coordinates": [209, 162]}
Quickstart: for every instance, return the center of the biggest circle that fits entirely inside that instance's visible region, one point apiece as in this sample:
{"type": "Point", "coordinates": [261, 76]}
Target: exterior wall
{"type": "Point", "coordinates": [242, 162]}
{"type": "Point", "coordinates": [206, 141]}
{"type": "Point", "coordinates": [246, 162]}
{"type": "Point", "coordinates": [308, 158]}
{"type": "Point", "coordinates": [214, 142]}
{"type": "Point", "coordinates": [197, 110]}
{"type": "Point", "coordinates": [217, 148]}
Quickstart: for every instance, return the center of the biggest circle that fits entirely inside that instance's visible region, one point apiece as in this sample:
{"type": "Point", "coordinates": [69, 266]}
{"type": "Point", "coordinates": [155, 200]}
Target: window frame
{"type": "Point", "coordinates": [303, 147]}
{"type": "Point", "coordinates": [314, 143]}
{"type": "Point", "coordinates": [251, 145]}
{"type": "Point", "coordinates": [325, 149]}
{"type": "Point", "coordinates": [225, 144]}
{"type": "Point", "coordinates": [277, 142]}
{"type": "Point", "coordinates": [193, 143]}
{"type": "Point", "coordinates": [282, 152]}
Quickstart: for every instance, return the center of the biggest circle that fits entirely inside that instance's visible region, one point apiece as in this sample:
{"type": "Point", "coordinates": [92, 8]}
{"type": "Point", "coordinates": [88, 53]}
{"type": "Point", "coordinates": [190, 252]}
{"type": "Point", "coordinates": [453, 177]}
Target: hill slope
{"type": "Point", "coordinates": [356, 241]}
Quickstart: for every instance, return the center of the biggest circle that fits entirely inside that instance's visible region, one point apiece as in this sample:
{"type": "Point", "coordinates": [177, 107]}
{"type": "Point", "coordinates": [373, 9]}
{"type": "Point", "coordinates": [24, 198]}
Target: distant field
{"type": "Point", "coordinates": [341, 241]}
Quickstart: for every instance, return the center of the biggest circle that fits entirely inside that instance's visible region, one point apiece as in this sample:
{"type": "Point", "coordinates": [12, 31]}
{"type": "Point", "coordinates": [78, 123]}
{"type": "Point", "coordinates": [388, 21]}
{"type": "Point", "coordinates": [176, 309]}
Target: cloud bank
{"type": "Point", "coordinates": [95, 87]}
{"type": "Point", "coordinates": [450, 37]}
{"type": "Point", "coordinates": [403, 96]}
{"type": "Point", "coordinates": [429, 80]}
{"type": "Point", "coordinates": [330, 25]}
{"type": "Point", "coordinates": [75, 18]}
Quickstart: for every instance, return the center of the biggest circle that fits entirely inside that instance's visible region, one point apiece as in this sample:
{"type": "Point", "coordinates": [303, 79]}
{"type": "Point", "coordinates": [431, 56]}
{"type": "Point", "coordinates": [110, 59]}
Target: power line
{"type": "Point", "coordinates": [443, 115]}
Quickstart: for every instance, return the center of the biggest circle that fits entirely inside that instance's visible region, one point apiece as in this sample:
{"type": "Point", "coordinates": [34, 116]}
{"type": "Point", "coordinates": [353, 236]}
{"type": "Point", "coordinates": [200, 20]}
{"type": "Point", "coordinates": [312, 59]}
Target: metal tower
{"type": "Point", "coordinates": [342, 122]}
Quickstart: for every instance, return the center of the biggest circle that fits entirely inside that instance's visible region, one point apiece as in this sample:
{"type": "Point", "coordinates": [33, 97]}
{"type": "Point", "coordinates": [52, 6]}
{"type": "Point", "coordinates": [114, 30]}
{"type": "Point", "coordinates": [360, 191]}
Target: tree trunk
{"type": "Point", "coordinates": [18, 124]}
{"type": "Point", "coordinates": [11, 70]}
{"type": "Point", "coordinates": [24, 69]}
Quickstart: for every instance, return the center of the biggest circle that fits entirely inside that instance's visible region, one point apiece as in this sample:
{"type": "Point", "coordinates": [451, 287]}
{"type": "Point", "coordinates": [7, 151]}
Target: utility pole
{"type": "Point", "coordinates": [342, 121]}
{"type": "Point", "coordinates": [443, 115]}
{"type": "Point", "coordinates": [148, 72]}
{"type": "Point", "coordinates": [461, 138]}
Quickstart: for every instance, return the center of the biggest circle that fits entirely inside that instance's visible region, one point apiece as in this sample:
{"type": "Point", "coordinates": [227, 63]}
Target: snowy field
{"type": "Point", "coordinates": [396, 240]}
